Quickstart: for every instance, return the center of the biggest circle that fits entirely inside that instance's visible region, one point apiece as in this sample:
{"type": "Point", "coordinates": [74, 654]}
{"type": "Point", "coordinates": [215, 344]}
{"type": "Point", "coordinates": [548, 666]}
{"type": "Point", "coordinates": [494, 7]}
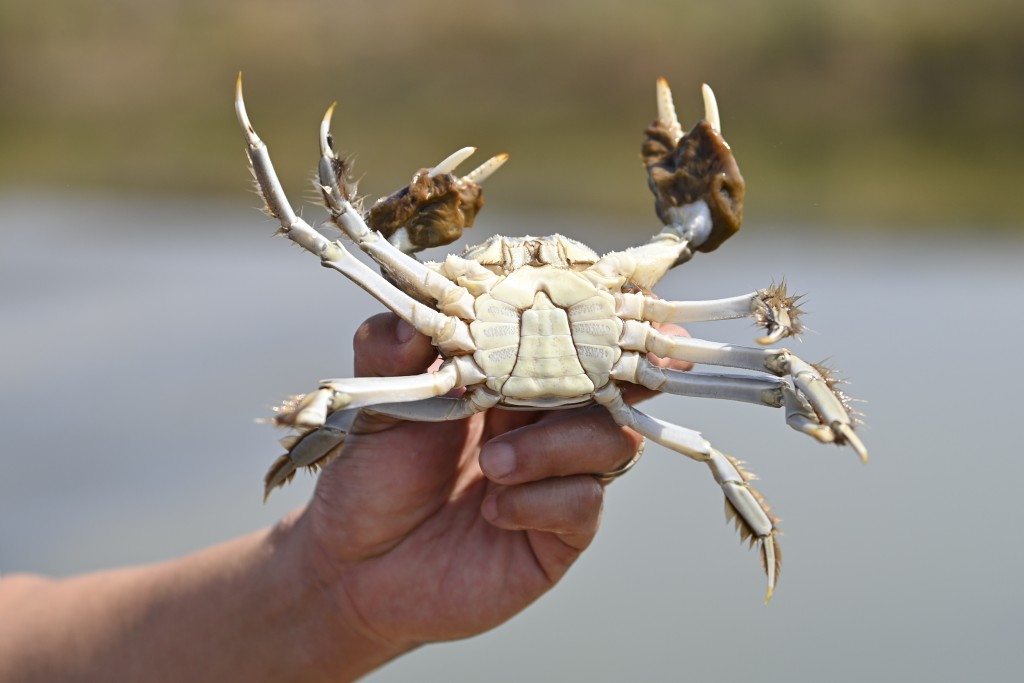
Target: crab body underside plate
{"type": "Point", "coordinates": [545, 322]}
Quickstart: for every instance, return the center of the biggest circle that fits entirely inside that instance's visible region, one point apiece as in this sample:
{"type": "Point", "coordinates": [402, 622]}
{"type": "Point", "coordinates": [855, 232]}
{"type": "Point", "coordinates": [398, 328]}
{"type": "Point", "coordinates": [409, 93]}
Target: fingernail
{"type": "Point", "coordinates": [489, 508]}
{"type": "Point", "coordinates": [404, 332]}
{"type": "Point", "coordinates": [498, 460]}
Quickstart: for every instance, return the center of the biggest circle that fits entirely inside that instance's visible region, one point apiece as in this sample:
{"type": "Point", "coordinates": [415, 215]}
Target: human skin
{"type": "Point", "coordinates": [417, 533]}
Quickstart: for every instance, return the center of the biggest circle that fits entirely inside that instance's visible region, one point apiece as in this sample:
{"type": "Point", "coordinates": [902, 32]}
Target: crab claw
{"type": "Point", "coordinates": [436, 206]}
{"type": "Point", "coordinates": [697, 186]}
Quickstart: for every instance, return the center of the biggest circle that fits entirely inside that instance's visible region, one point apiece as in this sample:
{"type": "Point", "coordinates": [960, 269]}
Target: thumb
{"type": "Point", "coordinates": [387, 346]}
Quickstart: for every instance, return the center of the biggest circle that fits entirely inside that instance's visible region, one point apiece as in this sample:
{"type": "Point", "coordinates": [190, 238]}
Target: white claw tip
{"type": "Point", "coordinates": [711, 108]}
{"type": "Point", "coordinates": [667, 110]}
{"type": "Point", "coordinates": [486, 169]}
{"type": "Point", "coordinates": [452, 162]}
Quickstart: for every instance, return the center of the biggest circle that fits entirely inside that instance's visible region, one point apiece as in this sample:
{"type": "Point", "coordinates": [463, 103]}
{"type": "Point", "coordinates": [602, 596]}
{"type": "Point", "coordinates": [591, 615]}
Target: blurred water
{"type": "Point", "coordinates": [140, 340]}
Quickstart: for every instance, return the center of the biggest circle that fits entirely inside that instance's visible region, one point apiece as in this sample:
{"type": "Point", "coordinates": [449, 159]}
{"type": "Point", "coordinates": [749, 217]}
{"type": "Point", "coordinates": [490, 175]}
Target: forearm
{"type": "Point", "coordinates": [245, 610]}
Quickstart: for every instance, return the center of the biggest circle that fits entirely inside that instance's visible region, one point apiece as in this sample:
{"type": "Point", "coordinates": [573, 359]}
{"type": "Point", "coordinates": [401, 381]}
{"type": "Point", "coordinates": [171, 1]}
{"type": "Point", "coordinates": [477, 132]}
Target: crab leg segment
{"type": "Point", "coordinates": [451, 298]}
{"type": "Point", "coordinates": [640, 336]}
{"type": "Point", "coordinates": [313, 449]}
{"type": "Point", "coordinates": [771, 307]}
{"type": "Point", "coordinates": [448, 332]}
{"type": "Point", "coordinates": [743, 504]}
{"type": "Point", "coordinates": [827, 408]}
{"type": "Point", "coordinates": [356, 392]}
{"type": "Point", "coordinates": [679, 439]}
{"type": "Point", "coordinates": [746, 507]}
{"type": "Point", "coordinates": [632, 367]}
{"type": "Point", "coordinates": [276, 203]}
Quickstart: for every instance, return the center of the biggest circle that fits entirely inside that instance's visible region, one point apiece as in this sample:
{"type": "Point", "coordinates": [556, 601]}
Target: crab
{"type": "Point", "coordinates": [547, 323]}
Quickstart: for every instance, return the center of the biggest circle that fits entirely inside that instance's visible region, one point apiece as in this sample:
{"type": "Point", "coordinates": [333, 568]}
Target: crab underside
{"type": "Point", "coordinates": [544, 322]}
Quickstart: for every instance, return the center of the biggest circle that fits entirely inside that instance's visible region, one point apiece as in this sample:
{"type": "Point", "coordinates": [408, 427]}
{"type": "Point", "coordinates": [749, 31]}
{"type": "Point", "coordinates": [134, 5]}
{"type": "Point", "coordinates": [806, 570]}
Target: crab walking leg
{"type": "Point", "coordinates": [828, 408]}
{"type": "Point", "coordinates": [640, 336]}
{"type": "Point", "coordinates": [771, 307]}
{"type": "Point", "coordinates": [747, 508]}
{"type": "Point", "coordinates": [742, 503]}
{"type": "Point", "coordinates": [679, 439]}
{"type": "Point", "coordinates": [313, 448]}
{"type": "Point", "coordinates": [277, 205]}
{"type": "Point", "coordinates": [356, 392]}
{"type": "Point", "coordinates": [764, 391]}
{"type": "Point", "coordinates": [451, 298]}
{"type": "Point", "coordinates": [448, 332]}
{"type": "Point", "coordinates": [639, 306]}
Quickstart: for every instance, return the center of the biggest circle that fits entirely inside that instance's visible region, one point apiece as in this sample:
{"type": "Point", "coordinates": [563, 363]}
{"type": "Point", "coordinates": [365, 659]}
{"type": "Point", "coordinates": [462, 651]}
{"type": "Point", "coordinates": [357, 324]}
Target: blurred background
{"type": "Point", "coordinates": [146, 315]}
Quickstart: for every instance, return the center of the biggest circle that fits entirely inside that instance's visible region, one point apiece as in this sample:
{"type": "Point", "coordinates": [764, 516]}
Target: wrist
{"type": "Point", "coordinates": [309, 586]}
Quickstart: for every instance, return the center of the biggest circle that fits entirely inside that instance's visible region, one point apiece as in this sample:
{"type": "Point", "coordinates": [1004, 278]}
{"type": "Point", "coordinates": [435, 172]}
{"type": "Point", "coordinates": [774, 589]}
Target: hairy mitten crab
{"type": "Point", "coordinates": [544, 322]}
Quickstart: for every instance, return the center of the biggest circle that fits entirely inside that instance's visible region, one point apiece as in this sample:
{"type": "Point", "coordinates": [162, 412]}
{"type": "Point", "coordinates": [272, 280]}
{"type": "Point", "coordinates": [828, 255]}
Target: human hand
{"type": "Point", "coordinates": [425, 532]}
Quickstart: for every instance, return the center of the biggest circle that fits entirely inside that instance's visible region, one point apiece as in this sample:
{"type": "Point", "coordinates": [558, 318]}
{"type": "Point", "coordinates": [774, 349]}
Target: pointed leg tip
{"type": "Point", "coordinates": [325, 133]}
{"type": "Point", "coordinates": [851, 439]}
{"type": "Point", "coordinates": [243, 117]}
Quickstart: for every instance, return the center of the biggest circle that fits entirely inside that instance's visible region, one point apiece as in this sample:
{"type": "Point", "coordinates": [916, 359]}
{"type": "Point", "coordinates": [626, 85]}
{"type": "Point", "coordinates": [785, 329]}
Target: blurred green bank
{"type": "Point", "coordinates": [866, 113]}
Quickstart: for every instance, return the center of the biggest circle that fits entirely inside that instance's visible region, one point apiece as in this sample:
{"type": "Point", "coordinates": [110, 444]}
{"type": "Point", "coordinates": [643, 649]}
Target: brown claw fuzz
{"type": "Point", "coordinates": [699, 166]}
{"type": "Point", "coordinates": [433, 211]}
